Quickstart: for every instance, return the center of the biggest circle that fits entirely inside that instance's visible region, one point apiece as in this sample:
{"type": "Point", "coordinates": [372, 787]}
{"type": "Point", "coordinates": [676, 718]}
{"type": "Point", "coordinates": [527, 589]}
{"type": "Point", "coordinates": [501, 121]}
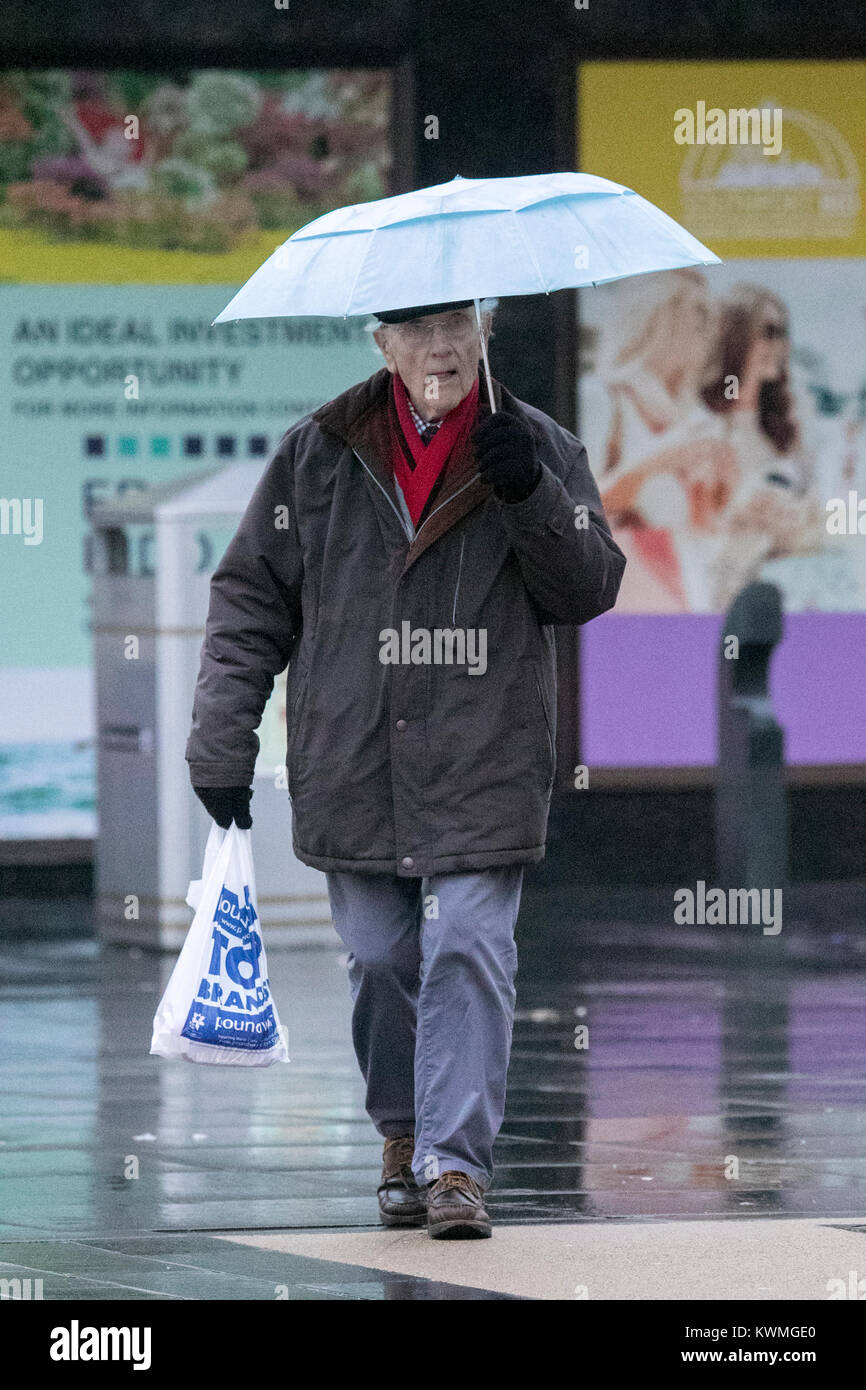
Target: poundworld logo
{"type": "Point", "coordinates": [76, 1343]}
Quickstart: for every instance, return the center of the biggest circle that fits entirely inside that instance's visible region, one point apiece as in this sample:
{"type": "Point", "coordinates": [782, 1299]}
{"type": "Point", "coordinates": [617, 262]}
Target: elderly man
{"type": "Point", "coordinates": [397, 533]}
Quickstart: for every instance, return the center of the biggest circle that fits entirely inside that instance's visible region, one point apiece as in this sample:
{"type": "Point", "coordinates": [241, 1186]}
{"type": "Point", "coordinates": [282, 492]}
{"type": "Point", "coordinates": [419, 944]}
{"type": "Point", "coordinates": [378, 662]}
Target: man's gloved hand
{"type": "Point", "coordinates": [505, 450]}
{"type": "Point", "coordinates": [227, 804]}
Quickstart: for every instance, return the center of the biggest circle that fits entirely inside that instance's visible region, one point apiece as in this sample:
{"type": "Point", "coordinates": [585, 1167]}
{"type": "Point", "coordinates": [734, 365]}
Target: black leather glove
{"type": "Point", "coordinates": [227, 804]}
{"type": "Point", "coordinates": [505, 450]}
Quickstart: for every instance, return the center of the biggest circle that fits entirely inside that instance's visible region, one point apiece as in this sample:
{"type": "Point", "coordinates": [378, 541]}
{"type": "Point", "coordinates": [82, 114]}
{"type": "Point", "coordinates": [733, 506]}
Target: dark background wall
{"type": "Point", "coordinates": [499, 75]}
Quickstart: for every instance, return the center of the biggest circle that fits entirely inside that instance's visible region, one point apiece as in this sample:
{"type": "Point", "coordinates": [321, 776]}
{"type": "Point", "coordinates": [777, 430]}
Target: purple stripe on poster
{"type": "Point", "coordinates": [648, 689]}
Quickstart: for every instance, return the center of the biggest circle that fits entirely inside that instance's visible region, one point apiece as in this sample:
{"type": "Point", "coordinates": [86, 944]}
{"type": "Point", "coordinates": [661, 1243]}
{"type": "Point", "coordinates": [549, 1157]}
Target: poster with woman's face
{"type": "Point", "coordinates": [724, 414]}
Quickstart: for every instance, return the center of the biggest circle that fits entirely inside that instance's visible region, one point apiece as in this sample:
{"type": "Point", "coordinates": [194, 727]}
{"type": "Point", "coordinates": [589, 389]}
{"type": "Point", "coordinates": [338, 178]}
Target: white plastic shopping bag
{"type": "Point", "coordinates": [217, 1006]}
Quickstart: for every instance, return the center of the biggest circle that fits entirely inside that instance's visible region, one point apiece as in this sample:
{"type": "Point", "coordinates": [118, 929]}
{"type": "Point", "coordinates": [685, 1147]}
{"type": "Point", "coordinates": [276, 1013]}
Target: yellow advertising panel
{"type": "Point", "coordinates": [755, 159]}
{"type": "Point", "coordinates": [724, 407]}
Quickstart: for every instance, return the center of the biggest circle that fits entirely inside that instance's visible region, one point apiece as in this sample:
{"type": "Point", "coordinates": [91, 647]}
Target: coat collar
{"type": "Point", "coordinates": [359, 418]}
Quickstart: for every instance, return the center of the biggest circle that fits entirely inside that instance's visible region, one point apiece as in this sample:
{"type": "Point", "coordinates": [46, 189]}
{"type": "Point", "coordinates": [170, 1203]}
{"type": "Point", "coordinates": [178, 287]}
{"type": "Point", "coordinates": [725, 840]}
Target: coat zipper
{"type": "Point", "coordinates": [384, 494]}
{"type": "Point", "coordinates": [394, 509]}
{"type": "Point", "coordinates": [424, 523]}
{"type": "Point", "coordinates": [444, 504]}
{"type": "Point", "coordinates": [459, 572]}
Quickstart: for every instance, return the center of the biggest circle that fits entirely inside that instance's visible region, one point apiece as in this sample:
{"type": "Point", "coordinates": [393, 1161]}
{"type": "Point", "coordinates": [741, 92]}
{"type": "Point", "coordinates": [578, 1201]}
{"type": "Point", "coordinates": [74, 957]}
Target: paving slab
{"type": "Point", "coordinates": [692, 1260]}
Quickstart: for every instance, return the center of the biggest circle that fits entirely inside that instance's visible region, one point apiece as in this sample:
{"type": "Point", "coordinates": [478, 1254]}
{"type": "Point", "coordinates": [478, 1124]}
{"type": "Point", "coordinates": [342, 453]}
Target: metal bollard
{"type": "Point", "coordinates": [751, 801]}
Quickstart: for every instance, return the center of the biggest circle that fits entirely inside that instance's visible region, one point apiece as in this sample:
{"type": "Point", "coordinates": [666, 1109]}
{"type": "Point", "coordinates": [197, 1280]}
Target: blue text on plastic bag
{"type": "Point", "coordinates": [232, 1006]}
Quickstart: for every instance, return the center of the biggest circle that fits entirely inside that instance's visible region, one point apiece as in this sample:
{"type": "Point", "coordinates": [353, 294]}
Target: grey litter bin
{"type": "Point", "coordinates": [154, 553]}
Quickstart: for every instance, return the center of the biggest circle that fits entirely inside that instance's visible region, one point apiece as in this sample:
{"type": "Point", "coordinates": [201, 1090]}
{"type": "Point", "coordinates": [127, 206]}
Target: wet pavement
{"type": "Point", "coordinates": [722, 1077]}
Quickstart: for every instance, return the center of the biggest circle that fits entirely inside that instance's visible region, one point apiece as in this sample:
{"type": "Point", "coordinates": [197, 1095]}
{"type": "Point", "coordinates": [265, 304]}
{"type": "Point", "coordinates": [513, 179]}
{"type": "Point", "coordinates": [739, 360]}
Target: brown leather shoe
{"type": "Point", "coordinates": [455, 1208]}
{"type": "Point", "coordinates": [401, 1201]}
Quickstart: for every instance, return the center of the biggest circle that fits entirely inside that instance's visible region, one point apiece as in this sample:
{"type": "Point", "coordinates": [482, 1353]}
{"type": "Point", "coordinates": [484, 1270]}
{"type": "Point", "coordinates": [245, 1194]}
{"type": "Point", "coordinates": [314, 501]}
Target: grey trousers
{"type": "Point", "coordinates": [432, 965]}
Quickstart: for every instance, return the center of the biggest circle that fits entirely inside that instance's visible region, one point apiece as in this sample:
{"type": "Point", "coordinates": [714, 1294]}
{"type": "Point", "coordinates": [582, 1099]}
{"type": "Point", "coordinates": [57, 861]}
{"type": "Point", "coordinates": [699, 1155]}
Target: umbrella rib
{"type": "Point", "coordinates": [528, 245]}
{"type": "Point", "coordinates": [347, 305]}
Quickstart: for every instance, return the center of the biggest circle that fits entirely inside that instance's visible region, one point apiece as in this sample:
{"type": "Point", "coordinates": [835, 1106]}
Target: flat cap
{"type": "Point", "coordinates": [419, 310]}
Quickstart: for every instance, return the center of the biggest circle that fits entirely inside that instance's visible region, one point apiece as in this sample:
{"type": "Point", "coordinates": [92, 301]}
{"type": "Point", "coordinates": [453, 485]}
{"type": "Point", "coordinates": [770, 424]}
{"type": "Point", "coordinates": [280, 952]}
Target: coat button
{"type": "Point", "coordinates": [408, 862]}
{"type": "Point", "coordinates": [401, 725]}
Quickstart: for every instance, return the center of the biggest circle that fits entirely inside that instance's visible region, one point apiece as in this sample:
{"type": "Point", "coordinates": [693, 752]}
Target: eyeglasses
{"type": "Point", "coordinates": [455, 328]}
{"type": "Point", "coordinates": [774, 330]}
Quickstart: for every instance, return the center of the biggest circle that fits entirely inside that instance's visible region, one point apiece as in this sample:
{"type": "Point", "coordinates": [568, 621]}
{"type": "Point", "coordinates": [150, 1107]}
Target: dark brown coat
{"type": "Point", "coordinates": [405, 769]}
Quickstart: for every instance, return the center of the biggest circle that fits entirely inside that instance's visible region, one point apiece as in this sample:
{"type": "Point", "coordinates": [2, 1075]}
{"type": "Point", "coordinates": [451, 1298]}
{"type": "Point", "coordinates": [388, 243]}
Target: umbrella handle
{"type": "Point", "coordinates": [484, 354]}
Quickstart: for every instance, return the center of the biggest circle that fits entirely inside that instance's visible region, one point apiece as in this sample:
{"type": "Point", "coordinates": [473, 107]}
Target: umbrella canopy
{"type": "Point", "coordinates": [466, 239]}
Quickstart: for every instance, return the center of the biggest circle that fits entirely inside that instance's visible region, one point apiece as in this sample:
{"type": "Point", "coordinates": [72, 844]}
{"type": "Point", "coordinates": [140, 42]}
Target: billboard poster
{"type": "Point", "coordinates": [722, 412]}
{"type": "Point", "coordinates": [132, 206]}
{"type": "Point", "coordinates": [724, 408]}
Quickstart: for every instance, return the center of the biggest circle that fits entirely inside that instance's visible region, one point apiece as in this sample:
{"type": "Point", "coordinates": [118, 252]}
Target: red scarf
{"type": "Point", "coordinates": [417, 483]}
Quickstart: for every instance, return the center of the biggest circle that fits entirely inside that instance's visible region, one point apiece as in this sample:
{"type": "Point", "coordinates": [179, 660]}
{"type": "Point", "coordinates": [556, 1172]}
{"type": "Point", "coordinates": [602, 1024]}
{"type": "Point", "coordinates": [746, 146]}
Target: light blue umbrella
{"type": "Point", "coordinates": [467, 239]}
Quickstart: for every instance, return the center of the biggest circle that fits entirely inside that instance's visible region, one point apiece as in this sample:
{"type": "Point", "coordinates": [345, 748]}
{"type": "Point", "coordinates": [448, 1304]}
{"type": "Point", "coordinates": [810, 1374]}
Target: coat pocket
{"type": "Point", "coordinates": [295, 718]}
{"type": "Point", "coordinates": [550, 746]}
